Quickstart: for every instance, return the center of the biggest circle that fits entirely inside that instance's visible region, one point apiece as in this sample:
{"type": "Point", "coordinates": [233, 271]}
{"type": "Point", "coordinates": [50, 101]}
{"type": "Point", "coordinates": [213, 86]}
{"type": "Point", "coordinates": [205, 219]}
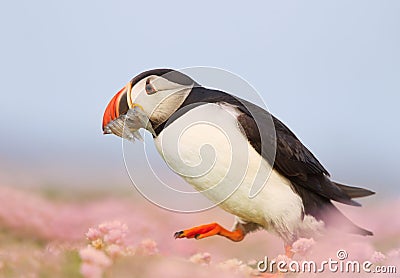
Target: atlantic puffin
{"type": "Point", "coordinates": [296, 198]}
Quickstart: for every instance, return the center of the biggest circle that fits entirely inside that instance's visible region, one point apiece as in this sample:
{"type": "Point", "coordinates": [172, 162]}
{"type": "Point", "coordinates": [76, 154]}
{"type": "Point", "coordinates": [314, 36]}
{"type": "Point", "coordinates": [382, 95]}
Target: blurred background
{"type": "Point", "coordinates": [328, 69]}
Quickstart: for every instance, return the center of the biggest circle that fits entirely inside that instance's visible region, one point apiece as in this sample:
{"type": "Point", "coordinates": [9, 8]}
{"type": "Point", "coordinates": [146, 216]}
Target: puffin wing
{"type": "Point", "coordinates": [292, 159]}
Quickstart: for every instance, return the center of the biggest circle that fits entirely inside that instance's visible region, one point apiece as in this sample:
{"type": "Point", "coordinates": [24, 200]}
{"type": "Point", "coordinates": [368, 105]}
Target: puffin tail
{"type": "Point", "coordinates": [354, 192]}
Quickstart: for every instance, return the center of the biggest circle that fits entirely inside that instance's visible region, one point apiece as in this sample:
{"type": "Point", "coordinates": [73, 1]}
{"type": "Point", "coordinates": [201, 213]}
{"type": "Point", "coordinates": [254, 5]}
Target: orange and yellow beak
{"type": "Point", "coordinates": [118, 105]}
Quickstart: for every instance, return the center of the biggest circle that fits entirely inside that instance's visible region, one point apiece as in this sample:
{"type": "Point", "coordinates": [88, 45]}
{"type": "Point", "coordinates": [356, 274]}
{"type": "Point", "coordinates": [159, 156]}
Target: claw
{"type": "Point", "coordinates": [178, 234]}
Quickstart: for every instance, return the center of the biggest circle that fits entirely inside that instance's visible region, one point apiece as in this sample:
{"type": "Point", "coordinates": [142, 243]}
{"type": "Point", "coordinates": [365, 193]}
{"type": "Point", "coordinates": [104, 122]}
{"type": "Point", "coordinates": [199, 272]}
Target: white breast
{"type": "Point", "coordinates": [207, 148]}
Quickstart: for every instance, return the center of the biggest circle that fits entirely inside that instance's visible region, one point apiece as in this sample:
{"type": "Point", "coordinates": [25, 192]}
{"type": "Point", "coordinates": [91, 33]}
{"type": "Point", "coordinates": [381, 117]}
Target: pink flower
{"type": "Point", "coordinates": [148, 247]}
{"type": "Point", "coordinates": [303, 245]}
{"type": "Point", "coordinates": [110, 237]}
{"type": "Point", "coordinates": [93, 234]}
{"type": "Point", "coordinates": [114, 250]}
{"type": "Point", "coordinates": [201, 258]}
{"type": "Point", "coordinates": [96, 257]}
{"type": "Point", "coordinates": [94, 262]}
{"type": "Point", "coordinates": [114, 225]}
{"type": "Point", "coordinates": [91, 271]}
{"type": "Point", "coordinates": [114, 236]}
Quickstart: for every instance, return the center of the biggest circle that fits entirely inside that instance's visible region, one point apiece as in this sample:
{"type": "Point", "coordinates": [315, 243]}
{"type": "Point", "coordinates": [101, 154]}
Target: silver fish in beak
{"type": "Point", "coordinates": [127, 125]}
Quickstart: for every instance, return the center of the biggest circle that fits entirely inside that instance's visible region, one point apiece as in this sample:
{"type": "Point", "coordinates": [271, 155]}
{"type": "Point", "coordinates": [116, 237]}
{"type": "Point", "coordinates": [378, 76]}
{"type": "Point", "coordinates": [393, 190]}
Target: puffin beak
{"type": "Point", "coordinates": [121, 112]}
{"type": "Point", "coordinates": [112, 111]}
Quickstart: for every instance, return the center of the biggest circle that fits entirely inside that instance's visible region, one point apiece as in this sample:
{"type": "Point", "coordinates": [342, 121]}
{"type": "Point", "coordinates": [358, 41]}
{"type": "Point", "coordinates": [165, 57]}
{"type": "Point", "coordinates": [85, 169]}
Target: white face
{"type": "Point", "coordinates": [158, 97]}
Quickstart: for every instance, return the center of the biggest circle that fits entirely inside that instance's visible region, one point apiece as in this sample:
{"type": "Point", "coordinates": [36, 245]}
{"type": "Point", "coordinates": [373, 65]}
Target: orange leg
{"type": "Point", "coordinates": [207, 230]}
{"type": "Point", "coordinates": [288, 251]}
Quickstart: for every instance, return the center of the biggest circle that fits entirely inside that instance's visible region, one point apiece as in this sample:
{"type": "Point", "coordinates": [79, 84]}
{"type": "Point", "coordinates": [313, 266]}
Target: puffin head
{"type": "Point", "coordinates": [157, 93]}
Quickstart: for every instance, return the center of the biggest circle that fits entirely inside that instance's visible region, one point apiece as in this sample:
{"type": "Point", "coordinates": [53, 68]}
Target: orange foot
{"type": "Point", "coordinates": [288, 251]}
{"type": "Point", "coordinates": [207, 230]}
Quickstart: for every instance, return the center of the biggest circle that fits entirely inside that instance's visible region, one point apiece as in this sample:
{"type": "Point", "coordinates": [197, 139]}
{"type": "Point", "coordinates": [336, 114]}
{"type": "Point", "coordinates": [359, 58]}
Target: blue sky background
{"type": "Point", "coordinates": [329, 69]}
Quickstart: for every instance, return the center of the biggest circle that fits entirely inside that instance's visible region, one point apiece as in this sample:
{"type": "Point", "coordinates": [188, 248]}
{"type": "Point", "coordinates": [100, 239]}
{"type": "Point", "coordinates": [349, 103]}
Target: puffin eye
{"type": "Point", "coordinates": [149, 87]}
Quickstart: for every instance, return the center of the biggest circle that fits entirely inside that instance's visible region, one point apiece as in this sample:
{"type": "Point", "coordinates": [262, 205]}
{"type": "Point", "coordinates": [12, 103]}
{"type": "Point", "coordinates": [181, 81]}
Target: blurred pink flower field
{"type": "Point", "coordinates": [126, 236]}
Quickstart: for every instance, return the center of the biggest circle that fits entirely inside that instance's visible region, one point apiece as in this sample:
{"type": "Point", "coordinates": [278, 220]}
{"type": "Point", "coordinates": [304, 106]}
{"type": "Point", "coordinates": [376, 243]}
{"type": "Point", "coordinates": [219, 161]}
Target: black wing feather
{"type": "Point", "coordinates": [292, 159]}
